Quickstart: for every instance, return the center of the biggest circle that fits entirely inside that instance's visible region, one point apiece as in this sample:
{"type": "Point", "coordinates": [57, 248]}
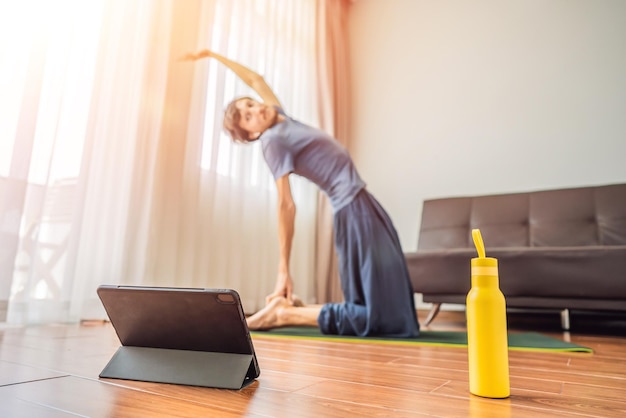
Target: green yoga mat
{"type": "Point", "coordinates": [523, 341]}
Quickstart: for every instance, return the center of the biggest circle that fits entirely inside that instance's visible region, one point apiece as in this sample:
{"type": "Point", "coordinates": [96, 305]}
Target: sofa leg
{"type": "Point", "coordinates": [565, 319]}
{"type": "Point", "coordinates": [432, 314]}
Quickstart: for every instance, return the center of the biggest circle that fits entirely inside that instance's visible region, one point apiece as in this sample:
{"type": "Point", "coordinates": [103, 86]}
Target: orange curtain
{"type": "Point", "coordinates": [334, 102]}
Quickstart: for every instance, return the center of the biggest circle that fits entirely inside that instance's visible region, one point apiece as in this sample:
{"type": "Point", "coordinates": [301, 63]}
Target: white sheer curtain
{"type": "Point", "coordinates": [113, 165]}
{"type": "Point", "coordinates": [224, 224]}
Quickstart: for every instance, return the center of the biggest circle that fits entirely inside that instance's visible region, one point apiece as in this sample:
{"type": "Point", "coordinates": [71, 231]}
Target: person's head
{"type": "Point", "coordinates": [245, 119]}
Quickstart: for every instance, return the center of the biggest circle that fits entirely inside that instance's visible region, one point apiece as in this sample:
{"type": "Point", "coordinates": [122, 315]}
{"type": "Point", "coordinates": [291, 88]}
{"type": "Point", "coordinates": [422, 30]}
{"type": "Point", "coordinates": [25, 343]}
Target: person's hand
{"type": "Point", "coordinates": [196, 56]}
{"type": "Point", "coordinates": [284, 288]}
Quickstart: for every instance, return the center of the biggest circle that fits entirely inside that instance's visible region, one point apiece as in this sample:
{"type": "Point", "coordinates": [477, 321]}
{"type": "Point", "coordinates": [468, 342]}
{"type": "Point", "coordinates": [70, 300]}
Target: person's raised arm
{"type": "Point", "coordinates": [286, 220]}
{"type": "Point", "coordinates": [248, 76]}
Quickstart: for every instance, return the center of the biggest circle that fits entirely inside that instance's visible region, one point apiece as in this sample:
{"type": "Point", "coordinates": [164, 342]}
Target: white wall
{"type": "Point", "coordinates": [485, 96]}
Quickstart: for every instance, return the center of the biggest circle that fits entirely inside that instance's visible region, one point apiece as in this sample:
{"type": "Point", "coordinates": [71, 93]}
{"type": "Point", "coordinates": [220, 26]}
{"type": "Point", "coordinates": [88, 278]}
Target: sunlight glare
{"type": "Point", "coordinates": [17, 34]}
{"type": "Point", "coordinates": [49, 43]}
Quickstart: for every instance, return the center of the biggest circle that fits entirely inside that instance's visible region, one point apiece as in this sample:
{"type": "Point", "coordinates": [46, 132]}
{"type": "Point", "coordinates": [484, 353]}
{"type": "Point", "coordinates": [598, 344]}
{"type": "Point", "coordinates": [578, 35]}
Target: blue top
{"type": "Point", "coordinates": [293, 147]}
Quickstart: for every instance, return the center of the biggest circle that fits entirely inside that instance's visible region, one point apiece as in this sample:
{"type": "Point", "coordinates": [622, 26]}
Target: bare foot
{"type": "Point", "coordinates": [270, 316]}
{"type": "Point", "coordinates": [295, 300]}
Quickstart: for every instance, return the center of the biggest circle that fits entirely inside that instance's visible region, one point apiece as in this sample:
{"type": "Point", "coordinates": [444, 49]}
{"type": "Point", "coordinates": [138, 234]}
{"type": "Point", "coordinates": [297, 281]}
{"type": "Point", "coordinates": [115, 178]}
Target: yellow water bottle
{"type": "Point", "coordinates": [487, 343]}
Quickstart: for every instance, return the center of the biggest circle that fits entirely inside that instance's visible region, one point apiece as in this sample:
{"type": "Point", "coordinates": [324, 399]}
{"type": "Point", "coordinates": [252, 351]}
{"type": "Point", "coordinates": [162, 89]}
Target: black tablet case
{"type": "Point", "coordinates": [182, 336]}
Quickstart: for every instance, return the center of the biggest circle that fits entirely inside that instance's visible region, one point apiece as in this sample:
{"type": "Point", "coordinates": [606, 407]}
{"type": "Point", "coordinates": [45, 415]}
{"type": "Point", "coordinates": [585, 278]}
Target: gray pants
{"type": "Point", "coordinates": [378, 296]}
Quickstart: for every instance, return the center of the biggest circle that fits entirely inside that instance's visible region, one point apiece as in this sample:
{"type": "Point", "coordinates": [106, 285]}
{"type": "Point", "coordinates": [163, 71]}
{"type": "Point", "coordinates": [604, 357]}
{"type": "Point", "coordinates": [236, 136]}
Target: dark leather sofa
{"type": "Point", "coordinates": [559, 249]}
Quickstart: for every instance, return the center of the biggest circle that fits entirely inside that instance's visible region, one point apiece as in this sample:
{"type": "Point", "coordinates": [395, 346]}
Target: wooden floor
{"type": "Point", "coordinates": [52, 371]}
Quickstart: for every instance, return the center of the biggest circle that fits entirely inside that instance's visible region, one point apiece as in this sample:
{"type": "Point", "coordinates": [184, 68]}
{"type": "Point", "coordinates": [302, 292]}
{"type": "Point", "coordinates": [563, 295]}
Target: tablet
{"type": "Point", "coordinates": [184, 331]}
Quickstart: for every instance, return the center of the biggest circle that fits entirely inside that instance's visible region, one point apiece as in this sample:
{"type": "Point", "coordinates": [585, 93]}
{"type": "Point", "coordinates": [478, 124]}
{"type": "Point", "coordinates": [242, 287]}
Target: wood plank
{"type": "Point", "coordinates": [361, 373]}
{"type": "Point", "coordinates": [543, 402]}
{"type": "Point", "coordinates": [96, 399]}
{"type": "Point", "coordinates": [13, 407]}
{"type": "Point", "coordinates": [66, 349]}
{"type": "Point", "coordinates": [269, 402]}
{"type": "Point", "coordinates": [425, 403]}
{"type": "Point", "coordinates": [576, 390]}
{"type": "Point", "coordinates": [11, 373]}
{"type": "Point", "coordinates": [307, 378]}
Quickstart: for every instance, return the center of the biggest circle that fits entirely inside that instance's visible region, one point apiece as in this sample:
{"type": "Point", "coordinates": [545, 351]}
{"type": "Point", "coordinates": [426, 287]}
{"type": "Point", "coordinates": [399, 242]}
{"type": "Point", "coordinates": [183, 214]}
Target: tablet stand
{"type": "Point", "coordinates": [182, 367]}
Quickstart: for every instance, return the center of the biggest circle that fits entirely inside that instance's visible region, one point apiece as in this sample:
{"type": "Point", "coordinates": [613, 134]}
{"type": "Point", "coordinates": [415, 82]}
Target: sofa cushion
{"type": "Point", "coordinates": [576, 217]}
{"type": "Point", "coordinates": [567, 217]}
{"type": "Point", "coordinates": [590, 272]}
{"type": "Point", "coordinates": [611, 214]}
{"type": "Point", "coordinates": [502, 219]}
{"type": "Point", "coordinates": [563, 218]}
{"type": "Point", "coordinates": [445, 223]}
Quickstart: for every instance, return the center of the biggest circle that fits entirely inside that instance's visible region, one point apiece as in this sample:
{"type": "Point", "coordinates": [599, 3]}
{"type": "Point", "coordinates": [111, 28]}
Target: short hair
{"type": "Point", "coordinates": [232, 116]}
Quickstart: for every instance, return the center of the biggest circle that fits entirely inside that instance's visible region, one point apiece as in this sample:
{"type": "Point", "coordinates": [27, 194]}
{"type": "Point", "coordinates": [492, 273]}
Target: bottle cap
{"type": "Point", "coordinates": [482, 266]}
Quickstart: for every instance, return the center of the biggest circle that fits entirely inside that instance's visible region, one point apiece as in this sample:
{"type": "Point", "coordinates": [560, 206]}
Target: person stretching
{"type": "Point", "coordinates": [377, 291]}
